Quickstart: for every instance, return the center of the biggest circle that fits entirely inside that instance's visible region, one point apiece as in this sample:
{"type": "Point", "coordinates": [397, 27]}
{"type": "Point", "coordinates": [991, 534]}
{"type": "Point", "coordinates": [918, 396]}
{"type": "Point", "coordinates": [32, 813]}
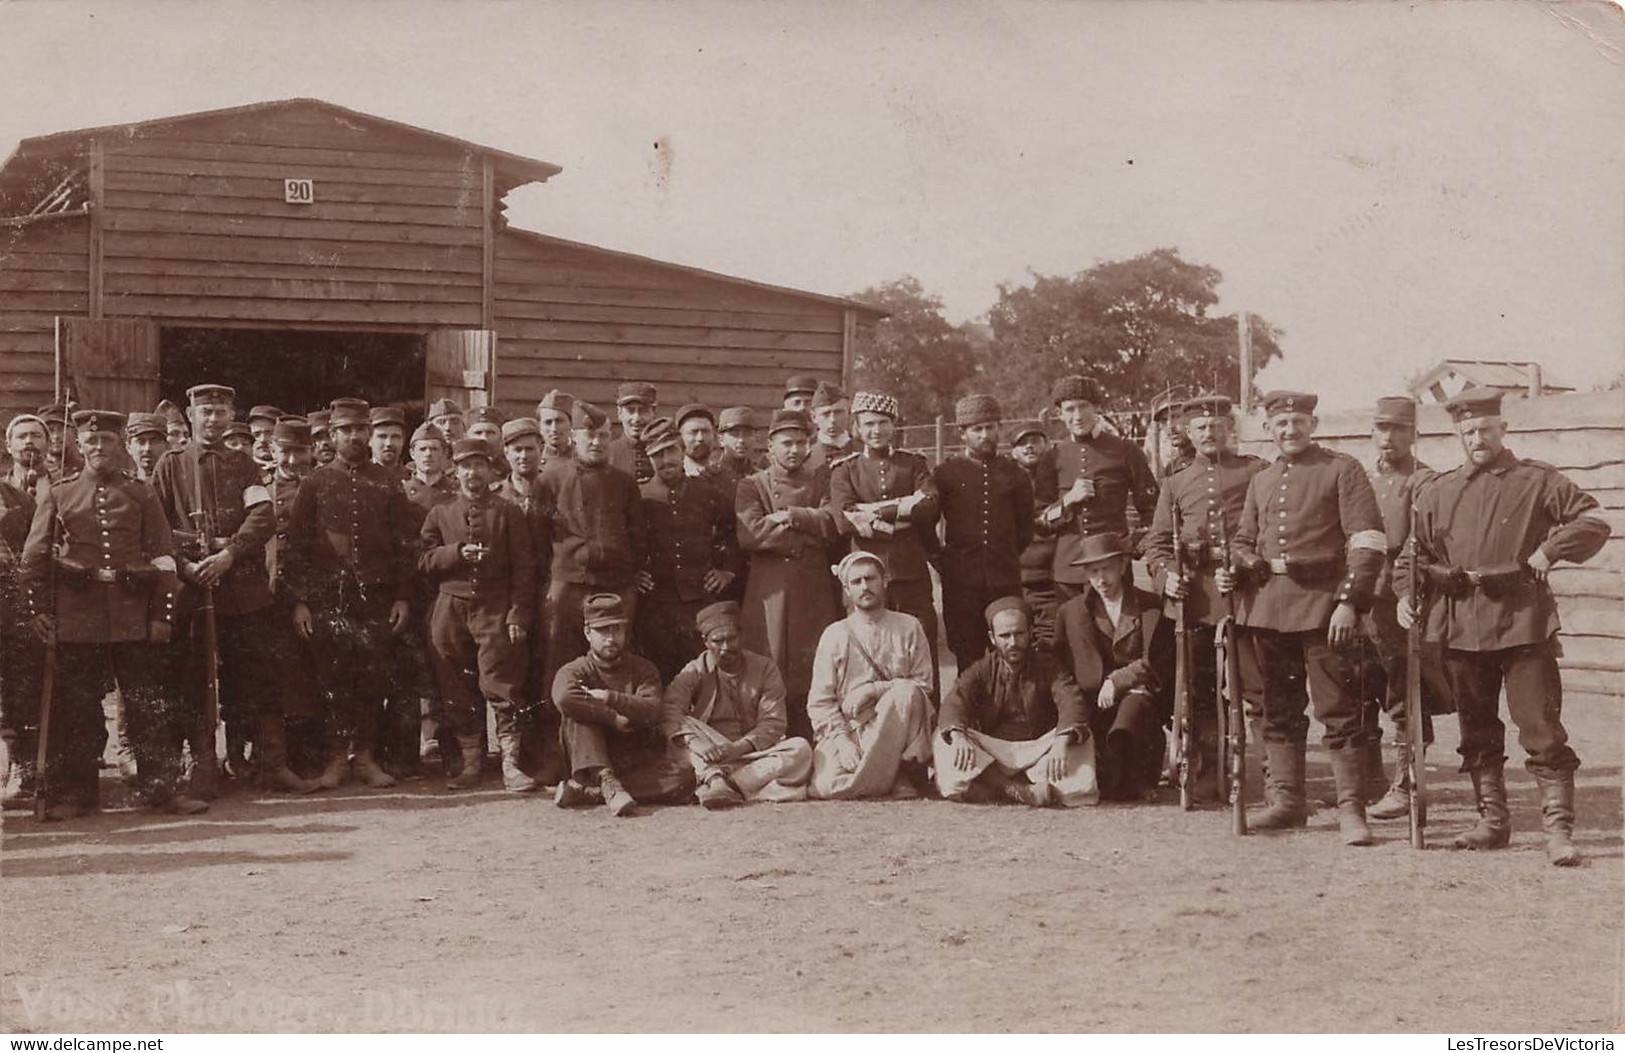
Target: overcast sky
{"type": "Point", "coordinates": [1390, 183]}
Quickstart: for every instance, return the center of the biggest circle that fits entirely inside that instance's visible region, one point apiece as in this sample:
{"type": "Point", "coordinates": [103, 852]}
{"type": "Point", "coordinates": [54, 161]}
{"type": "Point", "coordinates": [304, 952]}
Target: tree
{"type": "Point", "coordinates": [1140, 327]}
{"type": "Point", "coordinates": [914, 353]}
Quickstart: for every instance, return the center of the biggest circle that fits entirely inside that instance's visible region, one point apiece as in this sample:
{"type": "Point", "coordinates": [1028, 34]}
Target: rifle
{"type": "Point", "coordinates": [203, 519]}
{"type": "Point", "coordinates": [1413, 750]}
{"type": "Point", "coordinates": [1179, 750]}
{"type": "Point", "coordinates": [48, 676]}
{"type": "Point", "coordinates": [1232, 720]}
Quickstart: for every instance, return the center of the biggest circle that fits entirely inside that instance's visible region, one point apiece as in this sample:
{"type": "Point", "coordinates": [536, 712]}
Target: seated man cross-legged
{"type": "Point", "coordinates": [610, 702]}
{"type": "Point", "coordinates": [725, 712]}
{"type": "Point", "coordinates": [1003, 734]}
{"type": "Point", "coordinates": [870, 702]}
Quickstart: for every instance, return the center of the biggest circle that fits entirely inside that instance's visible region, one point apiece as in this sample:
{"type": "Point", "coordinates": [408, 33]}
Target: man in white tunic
{"type": "Point", "coordinates": [870, 703]}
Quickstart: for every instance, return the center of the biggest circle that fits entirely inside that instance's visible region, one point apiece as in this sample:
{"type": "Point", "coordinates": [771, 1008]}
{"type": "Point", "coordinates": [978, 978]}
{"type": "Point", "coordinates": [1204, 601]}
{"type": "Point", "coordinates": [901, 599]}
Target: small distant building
{"type": "Point", "coordinates": [1452, 375]}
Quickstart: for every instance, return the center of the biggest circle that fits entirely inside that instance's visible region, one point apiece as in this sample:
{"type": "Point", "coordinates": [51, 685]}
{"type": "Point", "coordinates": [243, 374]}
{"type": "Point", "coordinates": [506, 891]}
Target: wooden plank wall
{"type": "Point", "coordinates": [585, 321]}
{"type": "Point", "coordinates": [196, 231]}
{"type": "Point", "coordinates": [44, 272]}
{"type": "Point", "coordinates": [1583, 435]}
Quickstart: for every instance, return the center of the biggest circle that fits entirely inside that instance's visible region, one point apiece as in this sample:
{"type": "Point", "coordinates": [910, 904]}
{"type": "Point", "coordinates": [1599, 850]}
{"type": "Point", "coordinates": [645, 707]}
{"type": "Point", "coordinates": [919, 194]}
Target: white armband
{"type": "Point", "coordinates": [1375, 540]}
{"type": "Point", "coordinates": [256, 495]}
{"type": "Point", "coordinates": [165, 564]}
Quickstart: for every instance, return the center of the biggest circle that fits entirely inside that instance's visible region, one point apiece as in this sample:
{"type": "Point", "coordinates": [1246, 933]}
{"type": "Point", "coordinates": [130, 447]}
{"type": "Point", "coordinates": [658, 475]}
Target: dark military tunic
{"type": "Point", "coordinates": [987, 520]}
{"type": "Point", "coordinates": [630, 457]}
{"type": "Point", "coordinates": [232, 493]}
{"type": "Point", "coordinates": [691, 531]}
{"type": "Point", "coordinates": [1121, 476]}
{"type": "Point", "coordinates": [1209, 494]}
{"type": "Point", "coordinates": [20, 650]}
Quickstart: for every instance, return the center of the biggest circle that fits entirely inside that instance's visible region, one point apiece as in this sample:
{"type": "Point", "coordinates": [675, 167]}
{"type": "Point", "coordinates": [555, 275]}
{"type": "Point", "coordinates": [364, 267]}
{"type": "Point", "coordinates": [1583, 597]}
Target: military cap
{"type": "Point", "coordinates": [265, 412]}
{"type": "Point", "coordinates": [348, 411]}
{"type": "Point", "coordinates": [145, 424]}
{"type": "Point", "coordinates": [603, 608]}
{"type": "Point", "coordinates": [736, 417]}
{"type": "Point", "coordinates": [387, 415]}
{"type": "Point", "coordinates": [874, 402]}
{"type": "Point", "coordinates": [519, 428]}
{"type": "Point", "coordinates": [200, 393]}
{"type": "Point", "coordinates": [694, 409]}
{"type": "Point", "coordinates": [587, 417]}
{"type": "Point", "coordinates": [1289, 402]}
{"type": "Point", "coordinates": [240, 427]}
{"type": "Point", "coordinates": [1395, 409]}
{"type": "Point", "coordinates": [169, 410]}
{"type": "Point", "coordinates": [827, 394]}
{"type": "Point", "coordinates": [292, 431]}
{"type": "Point", "coordinates": [1166, 407]}
{"type": "Point", "coordinates": [483, 415]}
{"type": "Point", "coordinates": [789, 420]}
{"type": "Point", "coordinates": [1095, 547]}
{"type": "Point", "coordinates": [635, 391]}
{"type": "Point", "coordinates": [428, 431]}
{"type": "Point", "coordinates": [88, 421]}
{"type": "Point", "coordinates": [445, 408]}
{"type": "Point", "coordinates": [1006, 603]}
{"type": "Point", "coordinates": [977, 409]}
{"type": "Point", "coordinates": [1075, 388]}
{"type": "Point", "coordinates": [562, 401]}
{"type": "Point", "coordinates": [55, 413]}
{"type": "Point", "coordinates": [318, 422]}
{"type": "Point", "coordinates": [856, 556]}
{"type": "Point", "coordinates": [1474, 402]}
{"type": "Point", "coordinates": [659, 434]}
{"type": "Point", "coordinates": [1205, 406]}
{"type": "Point", "coordinates": [1026, 428]}
{"type": "Point", "coordinates": [463, 449]}
{"type": "Point", "coordinates": [800, 385]}
{"type": "Point", "coordinates": [716, 615]}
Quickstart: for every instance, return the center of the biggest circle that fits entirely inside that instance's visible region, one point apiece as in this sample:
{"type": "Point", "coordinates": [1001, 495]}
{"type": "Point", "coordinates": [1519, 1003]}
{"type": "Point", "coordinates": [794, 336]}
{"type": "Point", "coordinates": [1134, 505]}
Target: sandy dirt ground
{"type": "Point", "coordinates": [419, 910]}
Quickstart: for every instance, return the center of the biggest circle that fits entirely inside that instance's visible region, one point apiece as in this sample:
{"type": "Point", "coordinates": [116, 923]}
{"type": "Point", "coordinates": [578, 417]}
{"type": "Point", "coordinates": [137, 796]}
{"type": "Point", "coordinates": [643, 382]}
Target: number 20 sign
{"type": "Point", "coordinates": [299, 191]}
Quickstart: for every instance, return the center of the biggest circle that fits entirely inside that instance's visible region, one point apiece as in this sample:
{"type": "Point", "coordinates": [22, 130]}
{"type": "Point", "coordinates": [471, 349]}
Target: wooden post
{"type": "Point", "coordinates": [97, 196]}
{"type": "Point", "coordinates": [1244, 333]}
{"type": "Point", "coordinates": [849, 349]}
{"type": "Point", "coordinates": [488, 257]}
{"type": "Point", "coordinates": [1535, 388]}
{"type": "Point", "coordinates": [939, 438]}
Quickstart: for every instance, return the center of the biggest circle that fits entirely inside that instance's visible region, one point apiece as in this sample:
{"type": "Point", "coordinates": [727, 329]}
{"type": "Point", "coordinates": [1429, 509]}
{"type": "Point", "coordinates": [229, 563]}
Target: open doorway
{"type": "Point", "coordinates": [296, 370]}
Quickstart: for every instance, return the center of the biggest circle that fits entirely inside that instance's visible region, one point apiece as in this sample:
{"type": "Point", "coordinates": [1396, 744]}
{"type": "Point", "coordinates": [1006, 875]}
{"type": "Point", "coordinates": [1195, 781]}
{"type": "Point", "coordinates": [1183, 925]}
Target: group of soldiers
{"type": "Point", "coordinates": [668, 616]}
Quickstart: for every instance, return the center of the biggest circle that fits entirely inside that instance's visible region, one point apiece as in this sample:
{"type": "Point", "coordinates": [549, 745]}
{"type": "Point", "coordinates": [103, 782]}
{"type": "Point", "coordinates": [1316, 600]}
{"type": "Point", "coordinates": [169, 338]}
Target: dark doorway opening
{"type": "Point", "coordinates": [295, 370]}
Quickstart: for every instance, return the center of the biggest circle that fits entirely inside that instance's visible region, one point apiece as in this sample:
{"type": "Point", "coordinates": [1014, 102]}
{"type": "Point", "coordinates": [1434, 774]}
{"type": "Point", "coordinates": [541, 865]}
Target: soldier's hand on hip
{"type": "Point", "coordinates": [399, 612]}
{"type": "Point", "coordinates": [302, 620]}
{"type": "Point", "coordinates": [1540, 564]}
{"type": "Point", "coordinates": [1345, 623]}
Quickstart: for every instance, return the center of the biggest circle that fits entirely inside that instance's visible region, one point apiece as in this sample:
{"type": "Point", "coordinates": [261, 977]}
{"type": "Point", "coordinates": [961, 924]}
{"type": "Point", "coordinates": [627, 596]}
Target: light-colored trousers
{"type": "Point", "coordinates": [776, 774]}
{"type": "Point", "coordinates": [1076, 786]}
{"type": "Point", "coordinates": [897, 729]}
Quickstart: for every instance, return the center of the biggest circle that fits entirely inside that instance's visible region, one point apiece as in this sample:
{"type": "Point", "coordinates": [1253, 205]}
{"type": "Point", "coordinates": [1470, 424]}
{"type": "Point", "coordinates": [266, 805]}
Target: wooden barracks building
{"type": "Point", "coordinates": [302, 251]}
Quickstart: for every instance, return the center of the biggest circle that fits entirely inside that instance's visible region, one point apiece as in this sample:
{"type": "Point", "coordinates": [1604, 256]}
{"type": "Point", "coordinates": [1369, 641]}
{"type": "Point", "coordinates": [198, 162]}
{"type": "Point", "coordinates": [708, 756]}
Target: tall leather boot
{"type": "Point", "coordinates": [1255, 732]}
{"type": "Point", "coordinates": [472, 752]}
{"type": "Point", "coordinates": [271, 757]}
{"type": "Point", "coordinates": [1283, 788]}
{"type": "Point", "coordinates": [1557, 816]}
{"type": "Point", "coordinates": [1494, 826]}
{"type": "Point", "coordinates": [514, 779]}
{"type": "Point", "coordinates": [1349, 770]}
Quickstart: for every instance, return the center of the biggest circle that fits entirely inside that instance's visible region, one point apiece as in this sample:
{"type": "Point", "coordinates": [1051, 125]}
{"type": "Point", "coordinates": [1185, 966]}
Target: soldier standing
{"type": "Point", "coordinates": [447, 415]}
{"type": "Point", "coordinates": [27, 441]}
{"type": "Point", "coordinates": [888, 497]}
{"type": "Point", "coordinates": [693, 552]}
{"type": "Point", "coordinates": [736, 440]}
{"type": "Point", "coordinates": [1088, 481]}
{"type": "Point", "coordinates": [107, 601]}
{"type": "Point", "coordinates": [428, 483]}
{"type": "Point", "coordinates": [221, 513]}
{"type": "Point", "coordinates": [146, 440]}
{"type": "Point", "coordinates": [296, 680]}
{"type": "Point", "coordinates": [832, 424]}
{"type": "Point", "coordinates": [351, 566]}
{"type": "Point", "coordinates": [798, 393]}
{"type": "Point", "coordinates": [262, 426]}
{"type": "Point", "coordinates": [388, 440]}
{"type": "Point", "coordinates": [1488, 534]}
{"type": "Point", "coordinates": [599, 539]}
{"type": "Point", "coordinates": [321, 441]}
{"type": "Point", "coordinates": [786, 526]}
{"type": "Point", "coordinates": [553, 418]}
{"type": "Point", "coordinates": [1310, 543]}
{"type": "Point", "coordinates": [477, 549]}
{"type": "Point", "coordinates": [1028, 442]}
{"type": "Point", "coordinates": [636, 403]}
{"type": "Point", "coordinates": [987, 521]}
{"type": "Point", "coordinates": [20, 651]}
{"type": "Point", "coordinates": [537, 723]}
{"type": "Point", "coordinates": [1207, 495]}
